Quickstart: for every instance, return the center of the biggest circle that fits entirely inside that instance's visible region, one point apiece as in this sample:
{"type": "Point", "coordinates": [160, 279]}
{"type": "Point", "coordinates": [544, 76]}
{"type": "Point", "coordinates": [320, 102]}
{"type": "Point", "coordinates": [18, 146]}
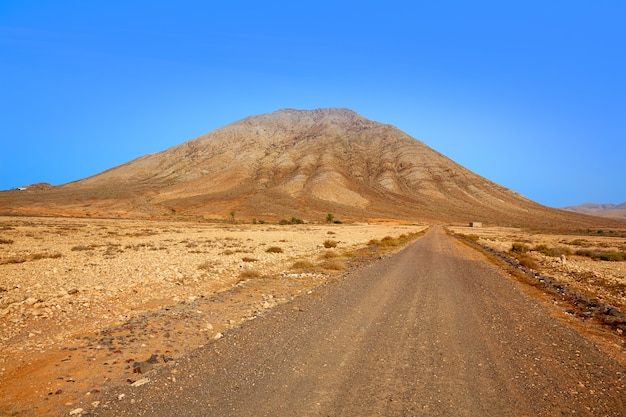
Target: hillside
{"type": "Point", "coordinates": [612, 211]}
{"type": "Point", "coordinates": [294, 163]}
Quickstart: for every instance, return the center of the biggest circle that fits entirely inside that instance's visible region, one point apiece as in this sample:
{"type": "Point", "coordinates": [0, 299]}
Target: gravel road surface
{"type": "Point", "coordinates": [431, 331]}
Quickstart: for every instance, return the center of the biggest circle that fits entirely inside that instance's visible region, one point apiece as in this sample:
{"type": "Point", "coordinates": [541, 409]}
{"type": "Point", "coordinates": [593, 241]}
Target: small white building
{"type": "Point", "coordinates": [475, 224]}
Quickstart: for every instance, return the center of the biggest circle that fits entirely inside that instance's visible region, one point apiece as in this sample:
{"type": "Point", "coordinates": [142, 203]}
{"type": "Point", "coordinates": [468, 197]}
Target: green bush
{"type": "Point", "coordinates": [518, 247]}
{"type": "Point", "coordinates": [599, 255]}
{"type": "Point", "coordinates": [555, 251]}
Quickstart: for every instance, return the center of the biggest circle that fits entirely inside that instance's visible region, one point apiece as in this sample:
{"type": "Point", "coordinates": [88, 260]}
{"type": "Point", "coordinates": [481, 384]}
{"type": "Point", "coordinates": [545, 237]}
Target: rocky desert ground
{"type": "Point", "coordinates": [581, 270]}
{"type": "Point", "coordinates": [89, 302]}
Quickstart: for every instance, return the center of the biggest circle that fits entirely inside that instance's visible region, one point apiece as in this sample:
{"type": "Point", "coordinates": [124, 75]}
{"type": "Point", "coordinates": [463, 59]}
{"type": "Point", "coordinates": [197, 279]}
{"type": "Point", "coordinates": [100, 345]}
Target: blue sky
{"type": "Point", "coordinates": [529, 94]}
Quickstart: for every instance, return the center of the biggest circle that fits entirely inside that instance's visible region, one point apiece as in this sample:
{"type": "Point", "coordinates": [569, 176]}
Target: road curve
{"type": "Point", "coordinates": [431, 331]}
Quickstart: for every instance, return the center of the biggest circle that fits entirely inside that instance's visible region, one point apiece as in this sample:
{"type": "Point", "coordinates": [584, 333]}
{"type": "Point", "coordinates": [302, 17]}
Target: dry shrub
{"type": "Point", "coordinates": [528, 262]}
{"type": "Point", "coordinates": [249, 273]}
{"type": "Point", "coordinates": [580, 242]}
{"type": "Point", "coordinates": [33, 257]}
{"type": "Point", "coordinates": [373, 242]}
{"type": "Point", "coordinates": [274, 249]}
{"type": "Point", "coordinates": [552, 251]}
{"type": "Point", "coordinates": [6, 242]}
{"type": "Point", "coordinates": [303, 265]}
{"type": "Point", "coordinates": [601, 255]}
{"type": "Point", "coordinates": [83, 247]}
{"type": "Point", "coordinates": [334, 265]}
{"type": "Point", "coordinates": [389, 241]}
{"type": "Point", "coordinates": [330, 254]}
{"type": "Point", "coordinates": [248, 259]}
{"type": "Point", "coordinates": [518, 247]}
{"type": "Point", "coordinates": [330, 243]}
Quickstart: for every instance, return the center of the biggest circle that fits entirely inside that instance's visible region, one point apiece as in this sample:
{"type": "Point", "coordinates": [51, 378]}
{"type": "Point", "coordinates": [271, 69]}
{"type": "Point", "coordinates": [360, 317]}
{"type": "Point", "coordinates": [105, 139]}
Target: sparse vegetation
{"type": "Point", "coordinates": [552, 251]}
{"type": "Point", "coordinates": [334, 265]}
{"type": "Point", "coordinates": [527, 261]}
{"type": "Point", "coordinates": [600, 255]}
{"type": "Point", "coordinates": [304, 265]}
{"type": "Point", "coordinates": [294, 220]}
{"type": "Point", "coordinates": [83, 247]}
{"type": "Point", "coordinates": [249, 273]}
{"type": "Point", "coordinates": [274, 249]}
{"type": "Point", "coordinates": [248, 259]}
{"type": "Point", "coordinates": [6, 242]}
{"type": "Point", "coordinates": [329, 243]}
{"type": "Point", "coordinates": [519, 247]}
{"type": "Point", "coordinates": [389, 241]}
{"type": "Point", "coordinates": [31, 257]}
{"type": "Point", "coordinates": [329, 218]}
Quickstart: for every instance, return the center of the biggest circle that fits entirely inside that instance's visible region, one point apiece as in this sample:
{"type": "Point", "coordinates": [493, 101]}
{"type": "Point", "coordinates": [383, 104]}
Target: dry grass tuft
{"type": "Point", "coordinates": [330, 254]}
{"type": "Point", "coordinates": [274, 249]}
{"type": "Point", "coordinates": [249, 273]}
{"type": "Point", "coordinates": [330, 243]}
{"type": "Point", "coordinates": [248, 259]}
{"type": "Point", "coordinates": [334, 265]}
{"type": "Point", "coordinates": [303, 265]}
{"type": "Point", "coordinates": [388, 241]}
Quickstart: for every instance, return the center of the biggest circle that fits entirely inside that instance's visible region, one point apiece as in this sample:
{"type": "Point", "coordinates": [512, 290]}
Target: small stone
{"type": "Point", "coordinates": [30, 301]}
{"type": "Point", "coordinates": [140, 382]}
{"type": "Point", "coordinates": [76, 411]}
{"type": "Point", "coordinates": [218, 336]}
{"type": "Point", "coordinates": [95, 404]}
{"type": "Point", "coordinates": [72, 291]}
{"type": "Point", "coordinates": [121, 397]}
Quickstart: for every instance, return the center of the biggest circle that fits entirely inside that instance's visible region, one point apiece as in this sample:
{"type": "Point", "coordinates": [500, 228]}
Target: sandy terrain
{"type": "Point", "coordinates": [87, 302]}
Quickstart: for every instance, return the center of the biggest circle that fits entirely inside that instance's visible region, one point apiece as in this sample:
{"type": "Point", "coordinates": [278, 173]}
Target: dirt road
{"type": "Point", "coordinates": [433, 330]}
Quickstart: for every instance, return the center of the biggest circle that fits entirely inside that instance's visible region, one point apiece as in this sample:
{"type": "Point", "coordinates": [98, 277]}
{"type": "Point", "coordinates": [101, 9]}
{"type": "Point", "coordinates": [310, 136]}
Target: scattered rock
{"type": "Point", "coordinates": [76, 412]}
{"type": "Point", "coordinates": [73, 291]}
{"type": "Point", "coordinates": [140, 382]}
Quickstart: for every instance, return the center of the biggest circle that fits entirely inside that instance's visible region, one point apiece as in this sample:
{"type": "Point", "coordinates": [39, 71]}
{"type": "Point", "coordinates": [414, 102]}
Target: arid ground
{"type": "Point", "coordinates": [85, 302]}
{"type": "Point", "coordinates": [90, 304]}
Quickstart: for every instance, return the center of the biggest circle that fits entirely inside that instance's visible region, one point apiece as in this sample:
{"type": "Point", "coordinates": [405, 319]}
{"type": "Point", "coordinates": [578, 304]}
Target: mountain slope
{"type": "Point", "coordinates": [294, 163]}
{"type": "Point", "coordinates": [613, 211]}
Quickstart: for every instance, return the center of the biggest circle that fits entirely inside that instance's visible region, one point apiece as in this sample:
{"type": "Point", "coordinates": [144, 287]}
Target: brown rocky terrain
{"type": "Point", "coordinates": [82, 301]}
{"type": "Point", "coordinates": [294, 163]}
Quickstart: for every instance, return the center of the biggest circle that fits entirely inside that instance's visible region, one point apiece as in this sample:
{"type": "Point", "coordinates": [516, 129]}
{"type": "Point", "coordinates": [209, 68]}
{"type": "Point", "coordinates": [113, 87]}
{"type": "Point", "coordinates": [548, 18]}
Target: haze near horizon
{"type": "Point", "coordinates": [530, 96]}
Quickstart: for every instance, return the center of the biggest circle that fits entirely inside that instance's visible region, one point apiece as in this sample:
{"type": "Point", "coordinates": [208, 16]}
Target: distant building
{"type": "Point", "coordinates": [476, 224]}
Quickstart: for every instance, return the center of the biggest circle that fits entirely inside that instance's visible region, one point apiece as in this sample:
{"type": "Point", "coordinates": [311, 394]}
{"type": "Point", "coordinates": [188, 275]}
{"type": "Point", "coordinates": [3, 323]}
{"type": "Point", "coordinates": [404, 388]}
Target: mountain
{"type": "Point", "coordinates": [294, 163]}
{"type": "Point", "coordinates": [612, 211]}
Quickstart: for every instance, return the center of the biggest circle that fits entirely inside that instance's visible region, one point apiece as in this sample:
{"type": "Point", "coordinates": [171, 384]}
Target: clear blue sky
{"type": "Point", "coordinates": [530, 94]}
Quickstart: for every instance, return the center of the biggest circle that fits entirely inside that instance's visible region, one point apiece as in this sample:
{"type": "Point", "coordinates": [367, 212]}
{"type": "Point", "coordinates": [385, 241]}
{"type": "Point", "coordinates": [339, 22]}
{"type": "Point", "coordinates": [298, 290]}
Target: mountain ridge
{"type": "Point", "coordinates": [302, 163]}
{"type": "Point", "coordinates": [607, 210]}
